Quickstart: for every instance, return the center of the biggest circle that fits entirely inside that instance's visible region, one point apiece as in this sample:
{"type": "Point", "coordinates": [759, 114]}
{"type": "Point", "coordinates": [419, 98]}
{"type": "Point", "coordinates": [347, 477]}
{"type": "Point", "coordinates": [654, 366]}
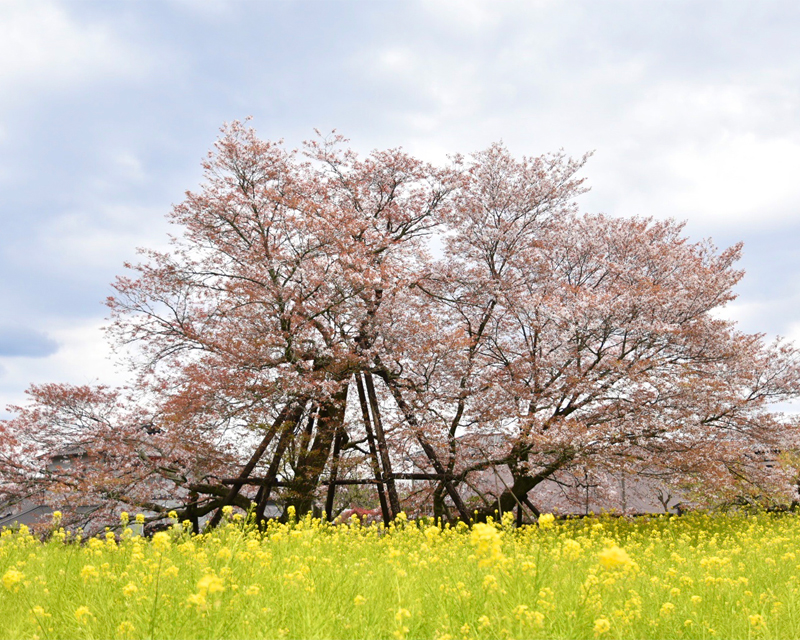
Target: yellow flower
{"type": "Point", "coordinates": [484, 622]}
{"type": "Point", "coordinates": [227, 510]}
{"type": "Point", "coordinates": [252, 590]}
{"type": "Point", "coordinates": [12, 578]}
{"type": "Point", "coordinates": [89, 572]}
{"type": "Point", "coordinates": [572, 549]}
{"type": "Point", "coordinates": [173, 514]}
{"type": "Point", "coordinates": [402, 630]}
{"type": "Point", "coordinates": [83, 615]}
{"type": "Point", "coordinates": [197, 599]}
{"type": "Point", "coordinates": [125, 628]}
{"type": "Point", "coordinates": [359, 600]}
{"type": "Point", "coordinates": [124, 518]}
{"type": "Point", "coordinates": [210, 583]}
{"type": "Point", "coordinates": [139, 518]}
{"type": "Point", "coordinates": [666, 609]}
{"type": "Point", "coordinates": [401, 615]}
{"type": "Point", "coordinates": [490, 582]}
{"type": "Point", "coordinates": [757, 621]}
{"type": "Point", "coordinates": [696, 599]}
{"type": "Point", "coordinates": [224, 554]}
{"type": "Point", "coordinates": [488, 544]}
{"type": "Point", "coordinates": [95, 544]}
{"type": "Point", "coordinates": [57, 518]}
{"type": "Point", "coordinates": [614, 557]}
{"type": "Point", "coordinates": [546, 520]}
{"type": "Point", "coordinates": [161, 541]}
{"type": "Point", "coordinates": [129, 589]}
{"type": "Point", "coordinates": [601, 626]}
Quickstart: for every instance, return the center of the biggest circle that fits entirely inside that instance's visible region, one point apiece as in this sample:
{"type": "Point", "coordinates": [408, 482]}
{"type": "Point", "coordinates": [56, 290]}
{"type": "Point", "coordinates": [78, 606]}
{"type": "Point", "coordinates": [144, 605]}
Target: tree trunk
{"type": "Point", "coordinates": [517, 493]}
{"type": "Point", "coordinates": [287, 432]}
{"type": "Point", "coordinates": [311, 464]}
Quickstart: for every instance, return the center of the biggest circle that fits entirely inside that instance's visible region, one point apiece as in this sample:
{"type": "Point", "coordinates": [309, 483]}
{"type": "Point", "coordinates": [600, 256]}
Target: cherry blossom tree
{"type": "Point", "coordinates": [324, 319]}
{"type": "Point", "coordinates": [272, 293]}
{"type": "Point", "coordinates": [92, 452]}
{"type": "Point", "coordinates": [597, 345]}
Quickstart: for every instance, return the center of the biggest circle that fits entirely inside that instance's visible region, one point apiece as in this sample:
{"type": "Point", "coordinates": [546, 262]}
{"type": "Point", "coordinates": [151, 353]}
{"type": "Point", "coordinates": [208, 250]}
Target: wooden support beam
{"type": "Point", "coordinates": [268, 482]}
{"type": "Point", "coordinates": [248, 468]}
{"type": "Point", "coordinates": [337, 446]}
{"type": "Point", "coordinates": [256, 482]}
{"type": "Point", "coordinates": [383, 450]}
{"type": "Point", "coordinates": [373, 451]}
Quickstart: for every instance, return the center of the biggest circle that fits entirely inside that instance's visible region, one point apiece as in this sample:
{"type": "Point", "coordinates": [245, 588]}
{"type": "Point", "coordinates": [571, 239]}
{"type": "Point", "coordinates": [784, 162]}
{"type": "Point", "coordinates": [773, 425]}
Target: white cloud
{"type": "Point", "coordinates": [742, 180]}
{"type": "Point", "coordinates": [130, 166]}
{"type": "Point", "coordinates": [83, 357]}
{"type": "Point", "coordinates": [711, 153]}
{"type": "Point", "coordinates": [685, 124]}
{"type": "Point", "coordinates": [43, 47]}
{"type": "Point", "coordinates": [396, 60]}
{"type": "Point", "coordinates": [793, 333]}
{"type": "Point", "coordinates": [106, 239]}
{"type": "Point", "coordinates": [466, 15]}
{"type": "Point", "coordinates": [211, 10]}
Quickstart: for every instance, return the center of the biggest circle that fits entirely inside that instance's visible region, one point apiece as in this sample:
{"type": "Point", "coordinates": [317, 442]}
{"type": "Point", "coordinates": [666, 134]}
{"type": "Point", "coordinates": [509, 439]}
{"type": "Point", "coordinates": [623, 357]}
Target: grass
{"type": "Point", "coordinates": [696, 576]}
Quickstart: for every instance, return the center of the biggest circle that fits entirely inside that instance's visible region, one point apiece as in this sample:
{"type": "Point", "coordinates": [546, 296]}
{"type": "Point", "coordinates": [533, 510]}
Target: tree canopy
{"type": "Point", "coordinates": [323, 319]}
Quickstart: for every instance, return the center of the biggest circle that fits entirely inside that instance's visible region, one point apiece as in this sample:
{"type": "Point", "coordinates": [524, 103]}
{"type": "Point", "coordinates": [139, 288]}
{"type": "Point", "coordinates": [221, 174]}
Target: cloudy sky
{"type": "Point", "coordinates": [107, 108]}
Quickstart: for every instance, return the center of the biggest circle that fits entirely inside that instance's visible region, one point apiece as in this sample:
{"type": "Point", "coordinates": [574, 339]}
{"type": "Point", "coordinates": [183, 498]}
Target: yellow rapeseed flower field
{"type": "Point", "coordinates": [695, 576]}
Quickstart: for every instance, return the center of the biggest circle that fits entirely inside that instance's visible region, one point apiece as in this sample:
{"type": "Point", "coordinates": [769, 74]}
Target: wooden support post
{"type": "Point", "coordinates": [428, 449]}
{"type": "Point", "coordinates": [376, 466]}
{"type": "Point", "coordinates": [527, 502]}
{"type": "Point", "coordinates": [383, 450]}
{"type": "Point", "coordinates": [248, 468]}
{"type": "Point", "coordinates": [272, 472]}
{"type": "Point", "coordinates": [337, 447]}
